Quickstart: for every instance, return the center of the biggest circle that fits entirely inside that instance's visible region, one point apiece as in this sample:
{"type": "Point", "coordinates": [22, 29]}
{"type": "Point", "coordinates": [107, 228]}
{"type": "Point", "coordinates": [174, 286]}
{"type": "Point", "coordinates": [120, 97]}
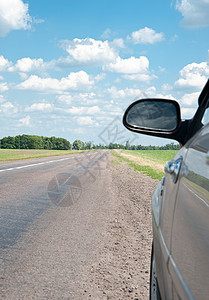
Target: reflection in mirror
{"type": "Point", "coordinates": [153, 114]}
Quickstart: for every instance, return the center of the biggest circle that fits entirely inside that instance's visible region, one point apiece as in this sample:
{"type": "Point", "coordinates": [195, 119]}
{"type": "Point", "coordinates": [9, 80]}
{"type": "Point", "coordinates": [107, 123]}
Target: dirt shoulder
{"type": "Point", "coordinates": [122, 271]}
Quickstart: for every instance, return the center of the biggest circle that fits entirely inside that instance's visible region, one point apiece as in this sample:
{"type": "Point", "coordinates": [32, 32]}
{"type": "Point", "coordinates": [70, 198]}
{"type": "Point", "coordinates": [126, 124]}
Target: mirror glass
{"type": "Point", "coordinates": [153, 114]}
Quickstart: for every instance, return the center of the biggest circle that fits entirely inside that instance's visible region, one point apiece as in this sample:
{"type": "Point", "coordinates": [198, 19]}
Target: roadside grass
{"type": "Point", "coordinates": [151, 170]}
{"type": "Point", "coordinates": [19, 154]}
{"type": "Point", "coordinates": [161, 156]}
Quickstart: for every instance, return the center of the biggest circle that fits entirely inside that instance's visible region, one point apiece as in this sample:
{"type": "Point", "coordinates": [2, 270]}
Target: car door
{"type": "Point", "coordinates": [189, 263]}
{"type": "Point", "coordinates": [163, 242]}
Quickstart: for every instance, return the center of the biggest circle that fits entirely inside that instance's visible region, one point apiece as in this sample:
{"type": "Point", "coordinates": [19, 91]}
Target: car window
{"type": "Point", "coordinates": [205, 119]}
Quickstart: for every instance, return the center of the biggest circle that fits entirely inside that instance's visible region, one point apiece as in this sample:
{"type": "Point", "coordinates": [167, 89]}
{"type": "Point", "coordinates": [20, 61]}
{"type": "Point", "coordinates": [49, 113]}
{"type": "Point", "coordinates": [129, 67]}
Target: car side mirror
{"type": "Point", "coordinates": [157, 117]}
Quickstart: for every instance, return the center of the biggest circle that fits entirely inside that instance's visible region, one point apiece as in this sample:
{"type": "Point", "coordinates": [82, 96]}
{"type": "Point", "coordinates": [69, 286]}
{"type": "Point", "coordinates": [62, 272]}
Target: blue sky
{"type": "Point", "coordinates": [70, 68]}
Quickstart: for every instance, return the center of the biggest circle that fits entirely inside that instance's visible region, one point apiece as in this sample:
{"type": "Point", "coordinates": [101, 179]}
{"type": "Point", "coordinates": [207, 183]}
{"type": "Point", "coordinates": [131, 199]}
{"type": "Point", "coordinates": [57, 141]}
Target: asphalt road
{"type": "Point", "coordinates": [52, 216]}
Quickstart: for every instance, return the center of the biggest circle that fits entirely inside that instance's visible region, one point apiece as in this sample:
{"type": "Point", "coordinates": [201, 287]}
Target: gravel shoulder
{"type": "Point", "coordinates": [122, 271]}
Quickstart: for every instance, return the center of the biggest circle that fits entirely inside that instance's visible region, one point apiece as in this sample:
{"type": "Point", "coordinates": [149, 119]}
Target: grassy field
{"type": "Point", "coordinates": [161, 156]}
{"type": "Point", "coordinates": [17, 154]}
{"type": "Point", "coordinates": [149, 162]}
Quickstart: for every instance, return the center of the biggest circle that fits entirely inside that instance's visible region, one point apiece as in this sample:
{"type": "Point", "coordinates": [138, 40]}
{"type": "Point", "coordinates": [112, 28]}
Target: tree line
{"type": "Point", "coordinates": [34, 142]}
{"type": "Point", "coordinates": [53, 143]}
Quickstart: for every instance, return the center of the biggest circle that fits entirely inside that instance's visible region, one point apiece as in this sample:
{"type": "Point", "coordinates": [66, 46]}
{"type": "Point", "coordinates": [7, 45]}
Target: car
{"type": "Point", "coordinates": [180, 202]}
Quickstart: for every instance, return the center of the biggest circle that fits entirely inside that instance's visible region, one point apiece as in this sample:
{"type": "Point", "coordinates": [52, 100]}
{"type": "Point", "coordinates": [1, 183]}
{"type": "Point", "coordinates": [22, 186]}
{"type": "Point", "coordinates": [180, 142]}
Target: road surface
{"type": "Point", "coordinates": [66, 230]}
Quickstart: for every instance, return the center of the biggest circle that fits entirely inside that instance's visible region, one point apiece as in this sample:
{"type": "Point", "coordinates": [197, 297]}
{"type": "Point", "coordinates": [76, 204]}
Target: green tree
{"type": "Point", "coordinates": [78, 145]}
{"type": "Point", "coordinates": [127, 146]}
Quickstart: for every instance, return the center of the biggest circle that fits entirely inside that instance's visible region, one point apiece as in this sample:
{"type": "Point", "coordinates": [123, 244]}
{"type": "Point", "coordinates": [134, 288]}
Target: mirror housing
{"type": "Point", "coordinates": [156, 117]}
{"type": "Point", "coordinates": [162, 117]}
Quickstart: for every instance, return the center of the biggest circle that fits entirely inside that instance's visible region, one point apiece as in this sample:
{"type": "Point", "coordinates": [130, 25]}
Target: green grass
{"type": "Point", "coordinates": [154, 174]}
{"type": "Point", "coordinates": [161, 156]}
{"type": "Point", "coordinates": [18, 154]}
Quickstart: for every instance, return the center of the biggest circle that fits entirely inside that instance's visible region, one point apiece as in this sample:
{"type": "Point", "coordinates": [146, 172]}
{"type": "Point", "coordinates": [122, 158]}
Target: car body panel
{"type": "Point", "coordinates": [163, 206]}
{"type": "Point", "coordinates": [190, 232]}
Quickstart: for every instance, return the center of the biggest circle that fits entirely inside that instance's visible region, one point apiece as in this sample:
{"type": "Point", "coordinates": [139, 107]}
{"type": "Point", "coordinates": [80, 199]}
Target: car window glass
{"type": "Point", "coordinates": [205, 118]}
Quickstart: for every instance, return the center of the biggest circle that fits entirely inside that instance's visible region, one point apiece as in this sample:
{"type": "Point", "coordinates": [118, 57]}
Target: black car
{"type": "Point", "coordinates": [180, 203]}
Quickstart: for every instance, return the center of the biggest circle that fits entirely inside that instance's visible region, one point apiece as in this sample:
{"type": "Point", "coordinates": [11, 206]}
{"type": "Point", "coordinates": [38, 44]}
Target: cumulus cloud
{"type": "Point", "coordinates": [113, 110]}
{"type": "Point", "coordinates": [106, 34]}
{"type": "Point", "coordinates": [14, 15]}
{"type": "Point", "coordinates": [88, 51]}
{"type": "Point", "coordinates": [127, 93]}
{"type": "Point", "coordinates": [86, 121]}
{"type": "Point", "coordinates": [193, 76]}
{"type": "Point", "coordinates": [25, 121]}
{"type": "Point", "coordinates": [100, 77]}
{"type": "Point", "coordinates": [2, 98]}
{"type": "Point", "coordinates": [117, 43]}
{"type": "Point", "coordinates": [146, 36]}
{"type": "Point", "coordinates": [4, 63]}
{"type": "Point", "coordinates": [3, 87]}
{"type": "Point", "coordinates": [152, 92]}
{"type": "Point", "coordinates": [140, 77]}
{"type": "Point", "coordinates": [130, 65]}
{"type": "Point", "coordinates": [190, 99]}
{"type": "Point", "coordinates": [195, 12]}
{"type": "Point", "coordinates": [74, 81]}
{"type": "Point", "coordinates": [67, 99]}
{"type": "Point", "coordinates": [166, 87]}
{"type": "Point", "coordinates": [41, 106]}
{"type": "Point", "coordinates": [86, 98]}
{"type": "Point", "coordinates": [8, 107]}
{"type": "Point", "coordinates": [27, 64]}
{"type": "Point", "coordinates": [84, 110]}
{"type": "Point", "coordinates": [188, 112]}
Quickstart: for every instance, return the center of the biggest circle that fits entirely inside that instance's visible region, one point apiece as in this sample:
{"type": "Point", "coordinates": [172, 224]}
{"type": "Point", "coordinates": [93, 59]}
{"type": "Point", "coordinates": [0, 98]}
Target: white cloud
{"type": "Point", "coordinates": [130, 65]}
{"type": "Point", "coordinates": [4, 63]}
{"type": "Point", "coordinates": [190, 99]}
{"type": "Point", "coordinates": [85, 121]}
{"type": "Point", "coordinates": [84, 110]}
{"type": "Point", "coordinates": [77, 130]}
{"type": "Point", "coordinates": [146, 36]}
{"type": "Point", "coordinates": [27, 64]}
{"type": "Point", "coordinates": [67, 99]}
{"type": "Point", "coordinates": [41, 106]}
{"type": "Point", "coordinates": [140, 77]}
{"type": "Point", "coordinates": [166, 87]}
{"type": "Point", "coordinates": [23, 76]}
{"type": "Point", "coordinates": [88, 51]}
{"type": "Point", "coordinates": [87, 98]}
{"type": "Point", "coordinates": [106, 34]}
{"type": "Point", "coordinates": [127, 93]}
{"type": "Point", "coordinates": [117, 43]}
{"type": "Point", "coordinates": [13, 16]}
{"type": "Point", "coordinates": [195, 12]}
{"type": "Point", "coordinates": [8, 107]}
{"type": "Point", "coordinates": [100, 77]}
{"type": "Point", "coordinates": [193, 76]}
{"type": "Point", "coordinates": [74, 81]}
{"type": "Point", "coordinates": [113, 110]}
{"type": "Point", "coordinates": [24, 121]}
{"type": "Point", "coordinates": [188, 112]}
{"type": "Point", "coordinates": [3, 87]}
{"type": "Point", "coordinates": [2, 98]}
{"type": "Point", "coordinates": [152, 92]}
